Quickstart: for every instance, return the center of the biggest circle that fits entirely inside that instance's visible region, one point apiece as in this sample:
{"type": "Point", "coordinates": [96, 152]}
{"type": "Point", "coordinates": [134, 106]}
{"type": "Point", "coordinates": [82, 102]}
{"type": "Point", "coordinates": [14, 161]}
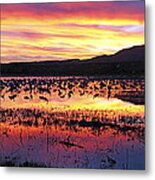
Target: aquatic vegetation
{"type": "Point", "coordinates": [72, 122]}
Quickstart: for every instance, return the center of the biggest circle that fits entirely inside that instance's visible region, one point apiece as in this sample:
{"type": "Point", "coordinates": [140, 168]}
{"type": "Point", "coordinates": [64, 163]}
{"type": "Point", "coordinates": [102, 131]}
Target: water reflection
{"type": "Point", "coordinates": [72, 122]}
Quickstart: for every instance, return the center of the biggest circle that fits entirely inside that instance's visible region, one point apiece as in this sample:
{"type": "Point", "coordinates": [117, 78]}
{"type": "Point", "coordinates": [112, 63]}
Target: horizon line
{"type": "Point", "coordinates": [108, 55]}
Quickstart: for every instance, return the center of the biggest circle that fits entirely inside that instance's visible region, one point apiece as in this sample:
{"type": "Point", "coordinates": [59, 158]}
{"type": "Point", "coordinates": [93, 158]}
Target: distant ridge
{"type": "Point", "coordinates": [127, 62]}
{"type": "Point", "coordinates": [135, 53]}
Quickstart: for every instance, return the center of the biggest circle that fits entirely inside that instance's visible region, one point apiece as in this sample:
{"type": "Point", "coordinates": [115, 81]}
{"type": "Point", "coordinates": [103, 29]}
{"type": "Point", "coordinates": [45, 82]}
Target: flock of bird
{"type": "Point", "coordinates": [65, 88]}
{"type": "Point", "coordinates": [96, 122]}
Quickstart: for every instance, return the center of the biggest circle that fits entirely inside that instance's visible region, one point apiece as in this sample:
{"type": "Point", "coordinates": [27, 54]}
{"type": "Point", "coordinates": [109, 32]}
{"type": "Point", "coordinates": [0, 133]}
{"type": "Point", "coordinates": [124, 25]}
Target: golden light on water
{"type": "Point", "coordinates": [82, 103]}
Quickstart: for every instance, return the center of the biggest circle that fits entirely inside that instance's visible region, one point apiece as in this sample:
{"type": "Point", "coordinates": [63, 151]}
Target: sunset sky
{"type": "Point", "coordinates": [58, 31]}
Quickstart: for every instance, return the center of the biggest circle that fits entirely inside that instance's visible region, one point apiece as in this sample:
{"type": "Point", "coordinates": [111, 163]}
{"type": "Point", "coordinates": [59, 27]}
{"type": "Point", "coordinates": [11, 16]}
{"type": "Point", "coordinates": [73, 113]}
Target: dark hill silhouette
{"type": "Point", "coordinates": [136, 53]}
{"type": "Point", "coordinates": [127, 62]}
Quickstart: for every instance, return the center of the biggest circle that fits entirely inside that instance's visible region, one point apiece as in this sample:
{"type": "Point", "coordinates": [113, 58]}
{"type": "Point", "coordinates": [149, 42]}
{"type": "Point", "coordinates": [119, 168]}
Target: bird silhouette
{"type": "Point", "coordinates": [43, 98]}
{"type": "Point", "coordinates": [26, 97]}
{"type": "Point", "coordinates": [13, 97]}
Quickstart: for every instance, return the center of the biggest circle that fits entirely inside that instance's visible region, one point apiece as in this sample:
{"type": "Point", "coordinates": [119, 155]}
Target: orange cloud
{"type": "Point", "coordinates": [57, 31]}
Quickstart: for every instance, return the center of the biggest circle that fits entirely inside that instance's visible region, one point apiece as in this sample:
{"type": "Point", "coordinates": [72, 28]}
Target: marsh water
{"type": "Point", "coordinates": [72, 122]}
